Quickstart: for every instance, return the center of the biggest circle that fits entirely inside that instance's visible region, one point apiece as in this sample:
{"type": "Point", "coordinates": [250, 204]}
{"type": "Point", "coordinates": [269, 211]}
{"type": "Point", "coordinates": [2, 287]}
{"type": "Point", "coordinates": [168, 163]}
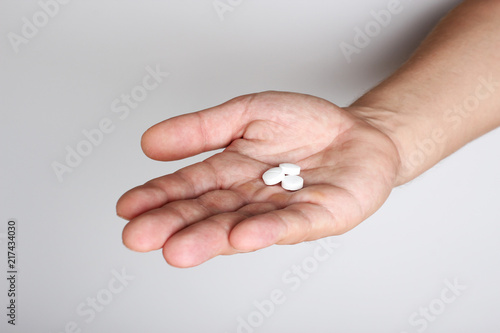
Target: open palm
{"type": "Point", "coordinates": [222, 206]}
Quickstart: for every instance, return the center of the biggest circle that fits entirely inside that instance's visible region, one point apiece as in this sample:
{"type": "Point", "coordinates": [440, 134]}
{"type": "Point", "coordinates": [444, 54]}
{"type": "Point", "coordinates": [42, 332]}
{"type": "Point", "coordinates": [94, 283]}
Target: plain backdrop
{"type": "Point", "coordinates": [390, 274]}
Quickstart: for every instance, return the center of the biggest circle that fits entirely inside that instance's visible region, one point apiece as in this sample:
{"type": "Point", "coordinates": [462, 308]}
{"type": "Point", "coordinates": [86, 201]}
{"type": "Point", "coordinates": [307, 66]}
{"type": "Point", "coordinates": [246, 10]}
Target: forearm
{"type": "Point", "coordinates": [446, 95]}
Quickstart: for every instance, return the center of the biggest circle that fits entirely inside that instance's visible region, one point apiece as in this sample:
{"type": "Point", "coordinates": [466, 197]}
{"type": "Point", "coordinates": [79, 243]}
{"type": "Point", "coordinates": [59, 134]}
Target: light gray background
{"type": "Point", "coordinates": [442, 226]}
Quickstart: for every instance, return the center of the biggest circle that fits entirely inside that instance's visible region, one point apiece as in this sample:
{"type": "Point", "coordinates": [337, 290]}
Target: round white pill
{"type": "Point", "coordinates": [273, 176]}
{"type": "Point", "coordinates": [292, 183]}
{"type": "Point", "coordinates": [290, 169]}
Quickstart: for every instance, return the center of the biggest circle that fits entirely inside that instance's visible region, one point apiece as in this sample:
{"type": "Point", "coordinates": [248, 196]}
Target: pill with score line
{"type": "Point", "coordinates": [292, 183]}
{"type": "Point", "coordinates": [290, 169]}
{"type": "Point", "coordinates": [273, 176]}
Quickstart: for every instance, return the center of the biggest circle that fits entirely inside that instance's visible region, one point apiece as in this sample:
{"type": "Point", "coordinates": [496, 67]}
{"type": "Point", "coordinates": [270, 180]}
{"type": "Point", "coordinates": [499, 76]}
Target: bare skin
{"type": "Point", "coordinates": [351, 158]}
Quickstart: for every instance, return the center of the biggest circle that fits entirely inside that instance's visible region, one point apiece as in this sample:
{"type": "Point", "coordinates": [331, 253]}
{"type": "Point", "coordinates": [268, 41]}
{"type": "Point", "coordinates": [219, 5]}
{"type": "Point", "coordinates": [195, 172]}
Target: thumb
{"type": "Point", "coordinates": [197, 132]}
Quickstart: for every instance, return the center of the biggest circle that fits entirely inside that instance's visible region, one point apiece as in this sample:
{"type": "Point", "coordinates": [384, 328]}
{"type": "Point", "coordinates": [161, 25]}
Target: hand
{"type": "Point", "coordinates": [222, 206]}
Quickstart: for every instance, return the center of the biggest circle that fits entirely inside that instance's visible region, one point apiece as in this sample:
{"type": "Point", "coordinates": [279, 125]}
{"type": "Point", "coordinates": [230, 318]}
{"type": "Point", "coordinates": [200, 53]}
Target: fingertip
{"type": "Point", "coordinates": [173, 139]}
{"type": "Point", "coordinates": [135, 242]}
{"type": "Point", "coordinates": [122, 208]}
{"type": "Point", "coordinates": [153, 143]}
{"type": "Point", "coordinates": [122, 217]}
{"type": "Point", "coordinates": [141, 235]}
{"type": "Point", "coordinates": [139, 200]}
{"type": "Point", "coordinates": [146, 144]}
{"type": "Point", "coordinates": [181, 254]}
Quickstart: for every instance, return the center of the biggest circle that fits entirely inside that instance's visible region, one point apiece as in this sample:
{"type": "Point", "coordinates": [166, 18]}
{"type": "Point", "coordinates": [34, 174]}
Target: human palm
{"type": "Point", "coordinates": [222, 206]}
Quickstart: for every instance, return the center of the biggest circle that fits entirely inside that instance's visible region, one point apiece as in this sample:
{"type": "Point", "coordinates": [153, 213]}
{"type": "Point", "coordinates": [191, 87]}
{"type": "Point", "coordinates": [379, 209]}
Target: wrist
{"type": "Point", "coordinates": [418, 142]}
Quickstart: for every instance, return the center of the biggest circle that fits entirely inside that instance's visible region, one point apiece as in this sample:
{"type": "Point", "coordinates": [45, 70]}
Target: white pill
{"type": "Point", "coordinates": [292, 183]}
{"type": "Point", "coordinates": [290, 169]}
{"type": "Point", "coordinates": [273, 176]}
